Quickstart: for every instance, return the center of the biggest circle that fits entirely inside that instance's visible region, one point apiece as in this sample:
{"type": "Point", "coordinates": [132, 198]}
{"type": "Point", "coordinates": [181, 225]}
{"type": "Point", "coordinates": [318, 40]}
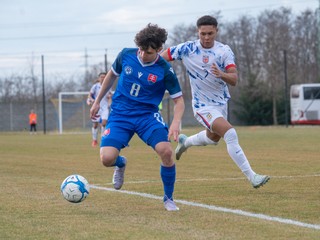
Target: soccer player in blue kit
{"type": "Point", "coordinates": [144, 76]}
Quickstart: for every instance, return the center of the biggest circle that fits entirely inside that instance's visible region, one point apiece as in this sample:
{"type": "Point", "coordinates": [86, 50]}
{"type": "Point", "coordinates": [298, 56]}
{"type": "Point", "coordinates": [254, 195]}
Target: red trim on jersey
{"type": "Point", "coordinates": [204, 120]}
{"type": "Point", "coordinates": [231, 65]}
{"type": "Point", "coordinates": [169, 55]}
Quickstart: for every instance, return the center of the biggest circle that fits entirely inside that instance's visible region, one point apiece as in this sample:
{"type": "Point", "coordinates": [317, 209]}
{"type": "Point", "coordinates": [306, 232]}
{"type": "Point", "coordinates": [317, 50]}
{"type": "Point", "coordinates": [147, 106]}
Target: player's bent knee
{"type": "Point", "coordinates": [108, 155]}
{"type": "Point", "coordinates": [167, 153]}
{"type": "Point", "coordinates": [106, 160]}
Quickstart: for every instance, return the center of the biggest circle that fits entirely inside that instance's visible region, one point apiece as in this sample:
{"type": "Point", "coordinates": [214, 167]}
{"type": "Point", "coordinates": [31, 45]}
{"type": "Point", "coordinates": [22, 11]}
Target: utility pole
{"type": "Point", "coordinates": [85, 64]}
{"type": "Point", "coordinates": [43, 97]}
{"type": "Point", "coordinates": [106, 61]}
{"type": "Point", "coordinates": [285, 87]}
{"type": "Point", "coordinates": [318, 22]}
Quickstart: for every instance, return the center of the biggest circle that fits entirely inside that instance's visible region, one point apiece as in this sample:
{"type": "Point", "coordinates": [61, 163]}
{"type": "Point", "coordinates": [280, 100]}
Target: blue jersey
{"type": "Point", "coordinates": [141, 86]}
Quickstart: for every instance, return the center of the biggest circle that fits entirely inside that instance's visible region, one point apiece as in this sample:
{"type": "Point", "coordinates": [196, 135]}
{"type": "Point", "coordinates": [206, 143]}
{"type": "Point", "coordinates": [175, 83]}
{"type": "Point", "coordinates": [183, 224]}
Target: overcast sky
{"type": "Point", "coordinates": [61, 30]}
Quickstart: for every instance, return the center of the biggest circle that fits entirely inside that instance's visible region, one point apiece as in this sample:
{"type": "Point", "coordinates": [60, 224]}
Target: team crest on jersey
{"type": "Point", "coordinates": [205, 58]}
{"type": "Point", "coordinates": [106, 132]}
{"type": "Point", "coordinates": [209, 116]}
{"type": "Point", "coordinates": [152, 78]}
{"type": "Point", "coordinates": [128, 70]}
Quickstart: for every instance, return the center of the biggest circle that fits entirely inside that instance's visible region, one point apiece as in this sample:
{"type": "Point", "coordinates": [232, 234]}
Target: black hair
{"type": "Point", "coordinates": [151, 36]}
{"type": "Point", "coordinates": [207, 20]}
{"type": "Point", "coordinates": [102, 73]}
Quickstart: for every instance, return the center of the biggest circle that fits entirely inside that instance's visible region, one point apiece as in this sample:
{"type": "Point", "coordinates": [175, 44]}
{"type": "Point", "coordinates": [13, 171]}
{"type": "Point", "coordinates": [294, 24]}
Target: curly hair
{"type": "Point", "coordinates": [151, 36]}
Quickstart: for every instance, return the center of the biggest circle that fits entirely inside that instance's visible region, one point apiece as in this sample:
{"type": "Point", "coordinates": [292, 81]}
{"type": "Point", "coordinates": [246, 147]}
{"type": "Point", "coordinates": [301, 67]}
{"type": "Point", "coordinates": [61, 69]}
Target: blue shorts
{"type": "Point", "coordinates": [120, 129]}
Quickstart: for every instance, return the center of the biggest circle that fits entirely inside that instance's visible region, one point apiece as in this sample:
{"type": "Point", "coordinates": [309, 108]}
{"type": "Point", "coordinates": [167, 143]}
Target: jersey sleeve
{"type": "Point", "coordinates": [117, 64]}
{"type": "Point", "coordinates": [179, 51]}
{"type": "Point", "coordinates": [92, 91]}
{"type": "Point", "coordinates": [172, 83]}
{"type": "Point", "coordinates": [229, 58]}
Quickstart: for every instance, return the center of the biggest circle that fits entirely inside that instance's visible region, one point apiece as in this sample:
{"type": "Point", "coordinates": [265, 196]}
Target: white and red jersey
{"type": "Point", "coordinates": [104, 103]}
{"type": "Point", "coordinates": [94, 91]}
{"type": "Point", "coordinates": [207, 90]}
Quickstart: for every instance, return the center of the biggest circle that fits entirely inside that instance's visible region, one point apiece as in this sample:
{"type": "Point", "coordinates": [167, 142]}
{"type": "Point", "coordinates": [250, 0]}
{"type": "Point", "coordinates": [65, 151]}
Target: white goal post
{"type": "Point", "coordinates": [61, 94]}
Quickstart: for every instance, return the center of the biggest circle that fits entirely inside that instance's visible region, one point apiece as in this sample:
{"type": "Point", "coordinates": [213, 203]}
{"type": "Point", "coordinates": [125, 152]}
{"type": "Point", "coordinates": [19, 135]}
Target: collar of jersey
{"type": "Point", "coordinates": [149, 63]}
{"type": "Point", "coordinates": [206, 49]}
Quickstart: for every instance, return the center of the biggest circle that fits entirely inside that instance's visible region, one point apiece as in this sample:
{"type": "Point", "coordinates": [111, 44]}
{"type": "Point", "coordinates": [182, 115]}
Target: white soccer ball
{"type": "Point", "coordinates": [75, 188]}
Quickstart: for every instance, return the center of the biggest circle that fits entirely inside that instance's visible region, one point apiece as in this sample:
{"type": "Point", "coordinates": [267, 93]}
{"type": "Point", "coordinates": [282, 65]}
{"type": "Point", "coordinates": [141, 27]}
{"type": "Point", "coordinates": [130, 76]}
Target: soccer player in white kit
{"type": "Point", "coordinates": [104, 108]}
{"type": "Point", "coordinates": [211, 66]}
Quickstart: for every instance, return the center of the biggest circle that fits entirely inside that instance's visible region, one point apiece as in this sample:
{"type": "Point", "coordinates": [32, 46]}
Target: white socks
{"type": "Point", "coordinates": [102, 129]}
{"type": "Point", "coordinates": [94, 133]}
{"type": "Point", "coordinates": [199, 139]}
{"type": "Point", "coordinates": [233, 148]}
{"type": "Point", "coordinates": [236, 153]}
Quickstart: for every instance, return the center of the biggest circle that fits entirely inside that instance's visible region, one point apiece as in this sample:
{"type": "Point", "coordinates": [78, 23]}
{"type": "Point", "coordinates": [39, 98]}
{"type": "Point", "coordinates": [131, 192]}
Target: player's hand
{"type": "Point", "coordinates": [89, 101]}
{"type": "Point", "coordinates": [215, 70]}
{"type": "Point", "coordinates": [94, 111]}
{"type": "Point", "coordinates": [174, 131]}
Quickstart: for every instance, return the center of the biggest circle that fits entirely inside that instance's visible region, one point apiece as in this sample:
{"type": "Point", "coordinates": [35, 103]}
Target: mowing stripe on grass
{"type": "Point", "coordinates": [215, 208]}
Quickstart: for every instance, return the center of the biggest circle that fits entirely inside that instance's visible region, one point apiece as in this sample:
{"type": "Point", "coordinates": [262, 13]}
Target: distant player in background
{"type": "Point", "coordinates": [33, 122]}
{"type": "Point", "coordinates": [211, 67]}
{"type": "Point", "coordinates": [144, 76]}
{"type": "Point", "coordinates": [104, 108]}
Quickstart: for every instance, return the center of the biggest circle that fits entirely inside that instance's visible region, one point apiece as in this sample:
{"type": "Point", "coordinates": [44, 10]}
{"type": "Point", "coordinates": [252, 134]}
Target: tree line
{"type": "Point", "coordinates": [260, 45]}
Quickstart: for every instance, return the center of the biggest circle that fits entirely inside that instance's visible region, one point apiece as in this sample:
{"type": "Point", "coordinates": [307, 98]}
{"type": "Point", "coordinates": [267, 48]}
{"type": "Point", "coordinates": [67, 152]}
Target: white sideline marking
{"type": "Point", "coordinates": [219, 209]}
{"type": "Point", "coordinates": [217, 179]}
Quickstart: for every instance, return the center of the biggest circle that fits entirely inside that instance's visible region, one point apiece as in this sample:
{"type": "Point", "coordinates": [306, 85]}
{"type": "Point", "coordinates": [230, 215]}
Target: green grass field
{"type": "Point", "coordinates": [213, 195]}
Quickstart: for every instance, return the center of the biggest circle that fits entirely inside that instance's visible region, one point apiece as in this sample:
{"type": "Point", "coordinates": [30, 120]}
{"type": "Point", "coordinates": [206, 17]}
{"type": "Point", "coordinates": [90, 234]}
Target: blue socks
{"type": "Point", "coordinates": [120, 162]}
{"type": "Point", "coordinates": [168, 176]}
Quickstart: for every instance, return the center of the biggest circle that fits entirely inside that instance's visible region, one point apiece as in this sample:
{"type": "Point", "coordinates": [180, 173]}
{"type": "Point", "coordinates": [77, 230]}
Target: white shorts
{"type": "Point", "coordinates": [206, 115]}
{"type": "Point", "coordinates": [103, 113]}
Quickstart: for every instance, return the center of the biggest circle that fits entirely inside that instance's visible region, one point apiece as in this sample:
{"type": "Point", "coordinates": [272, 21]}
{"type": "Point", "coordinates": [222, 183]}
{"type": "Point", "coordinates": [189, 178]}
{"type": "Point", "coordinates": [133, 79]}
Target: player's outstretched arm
{"type": "Point", "coordinates": [106, 85]}
{"type": "Point", "coordinates": [165, 55]}
{"type": "Point", "coordinates": [174, 129]}
{"type": "Point", "coordinates": [94, 110]}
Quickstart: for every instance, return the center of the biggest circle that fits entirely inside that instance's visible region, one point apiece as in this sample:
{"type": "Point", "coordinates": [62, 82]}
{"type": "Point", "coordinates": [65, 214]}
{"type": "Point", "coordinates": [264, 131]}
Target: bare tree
{"type": "Point", "coordinates": [6, 89]}
{"type": "Point", "coordinates": [241, 36]}
{"type": "Point", "coordinates": [33, 80]}
{"type": "Point", "coordinates": [274, 29]}
{"type": "Point", "coordinates": [304, 53]}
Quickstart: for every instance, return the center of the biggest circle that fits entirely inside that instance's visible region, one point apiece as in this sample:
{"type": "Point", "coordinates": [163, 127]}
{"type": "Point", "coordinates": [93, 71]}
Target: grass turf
{"type": "Point", "coordinates": [32, 168]}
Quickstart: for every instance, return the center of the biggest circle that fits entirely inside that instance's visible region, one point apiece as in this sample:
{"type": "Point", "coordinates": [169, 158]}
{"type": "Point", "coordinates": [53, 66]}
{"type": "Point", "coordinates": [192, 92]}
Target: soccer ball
{"type": "Point", "coordinates": [75, 188]}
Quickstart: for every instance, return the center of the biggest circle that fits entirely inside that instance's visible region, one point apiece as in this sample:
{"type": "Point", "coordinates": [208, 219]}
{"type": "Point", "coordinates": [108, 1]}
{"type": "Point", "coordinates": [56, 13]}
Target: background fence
{"type": "Point", "coordinates": [75, 115]}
